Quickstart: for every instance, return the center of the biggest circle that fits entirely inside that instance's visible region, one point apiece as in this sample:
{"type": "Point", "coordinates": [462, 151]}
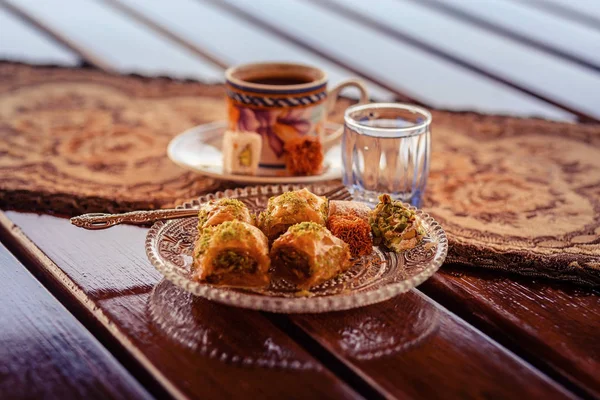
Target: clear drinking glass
{"type": "Point", "coordinates": [386, 148]}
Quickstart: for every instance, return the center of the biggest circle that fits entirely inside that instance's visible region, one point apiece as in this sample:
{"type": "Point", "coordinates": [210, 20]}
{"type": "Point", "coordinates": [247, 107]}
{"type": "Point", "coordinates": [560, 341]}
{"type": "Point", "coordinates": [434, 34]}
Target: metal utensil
{"type": "Point", "coordinates": [96, 221]}
{"type": "Point", "coordinates": [103, 221]}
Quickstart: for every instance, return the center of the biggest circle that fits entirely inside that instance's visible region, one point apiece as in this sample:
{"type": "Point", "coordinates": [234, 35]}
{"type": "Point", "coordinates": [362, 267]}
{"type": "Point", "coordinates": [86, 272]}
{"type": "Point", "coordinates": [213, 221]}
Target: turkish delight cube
{"type": "Point", "coordinates": [241, 152]}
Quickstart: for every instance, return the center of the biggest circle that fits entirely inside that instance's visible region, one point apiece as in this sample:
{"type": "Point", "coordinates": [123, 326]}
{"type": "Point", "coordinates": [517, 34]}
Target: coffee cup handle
{"type": "Point", "coordinates": [330, 139]}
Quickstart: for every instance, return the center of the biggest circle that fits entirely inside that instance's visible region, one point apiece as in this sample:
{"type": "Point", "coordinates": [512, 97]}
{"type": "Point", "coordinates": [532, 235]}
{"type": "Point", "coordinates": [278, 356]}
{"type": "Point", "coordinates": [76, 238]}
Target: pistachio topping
{"type": "Point", "coordinates": [234, 260]}
{"type": "Point", "coordinates": [307, 228]}
{"type": "Point", "coordinates": [204, 240]}
{"type": "Point", "coordinates": [245, 156]}
{"type": "Point", "coordinates": [231, 230]}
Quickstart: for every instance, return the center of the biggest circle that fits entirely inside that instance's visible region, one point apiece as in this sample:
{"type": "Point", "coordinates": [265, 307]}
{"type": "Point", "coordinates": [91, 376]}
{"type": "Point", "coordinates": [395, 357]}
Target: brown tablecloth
{"type": "Point", "coordinates": [521, 195]}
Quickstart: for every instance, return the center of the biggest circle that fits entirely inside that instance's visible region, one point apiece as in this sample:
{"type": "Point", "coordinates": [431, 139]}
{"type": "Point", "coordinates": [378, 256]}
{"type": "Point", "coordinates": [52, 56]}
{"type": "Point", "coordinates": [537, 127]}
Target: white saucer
{"type": "Point", "coordinates": [199, 149]}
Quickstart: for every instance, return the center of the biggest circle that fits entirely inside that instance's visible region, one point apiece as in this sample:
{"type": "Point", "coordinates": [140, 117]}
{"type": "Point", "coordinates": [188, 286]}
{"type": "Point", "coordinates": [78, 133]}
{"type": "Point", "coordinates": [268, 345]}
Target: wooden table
{"type": "Point", "coordinates": [74, 321]}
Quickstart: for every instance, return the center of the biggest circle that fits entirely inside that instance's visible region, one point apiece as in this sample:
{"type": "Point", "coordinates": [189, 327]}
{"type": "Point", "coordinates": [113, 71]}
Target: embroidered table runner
{"type": "Point", "coordinates": [521, 195]}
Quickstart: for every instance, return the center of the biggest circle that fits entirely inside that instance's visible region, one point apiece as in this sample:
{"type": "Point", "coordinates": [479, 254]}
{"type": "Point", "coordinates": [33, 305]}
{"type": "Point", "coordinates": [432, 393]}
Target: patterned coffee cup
{"type": "Point", "coordinates": [281, 102]}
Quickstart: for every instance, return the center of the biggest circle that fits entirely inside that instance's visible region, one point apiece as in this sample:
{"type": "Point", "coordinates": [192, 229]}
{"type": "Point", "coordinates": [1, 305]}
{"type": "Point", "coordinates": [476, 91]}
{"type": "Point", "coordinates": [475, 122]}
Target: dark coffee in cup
{"type": "Point", "coordinates": [280, 80]}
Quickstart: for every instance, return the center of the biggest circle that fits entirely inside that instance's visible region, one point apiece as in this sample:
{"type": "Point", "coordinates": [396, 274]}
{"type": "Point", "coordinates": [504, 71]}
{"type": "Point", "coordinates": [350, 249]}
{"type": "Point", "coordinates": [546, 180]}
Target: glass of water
{"type": "Point", "coordinates": [386, 148]}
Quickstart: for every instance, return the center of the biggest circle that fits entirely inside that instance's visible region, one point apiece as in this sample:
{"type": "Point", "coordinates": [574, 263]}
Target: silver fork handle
{"type": "Point", "coordinates": [103, 221]}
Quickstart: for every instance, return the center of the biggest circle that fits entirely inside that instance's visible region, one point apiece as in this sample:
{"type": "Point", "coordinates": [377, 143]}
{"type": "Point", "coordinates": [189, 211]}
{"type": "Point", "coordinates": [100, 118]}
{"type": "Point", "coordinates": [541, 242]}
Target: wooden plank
{"type": "Point", "coordinates": [163, 30]}
{"type": "Point", "coordinates": [411, 347]}
{"type": "Point", "coordinates": [45, 352]}
{"type": "Point", "coordinates": [108, 274]}
{"type": "Point", "coordinates": [274, 29]}
{"type": "Point", "coordinates": [234, 40]}
{"type": "Point", "coordinates": [411, 327]}
{"type": "Point", "coordinates": [583, 12]}
{"type": "Point", "coordinates": [564, 38]}
{"type": "Point", "coordinates": [371, 17]}
{"type": "Point", "coordinates": [408, 70]}
{"type": "Point", "coordinates": [114, 42]}
{"type": "Point", "coordinates": [526, 69]}
{"type": "Point", "coordinates": [18, 42]}
{"type": "Point", "coordinates": [555, 326]}
{"type": "Point", "coordinates": [590, 7]}
{"type": "Point", "coordinates": [89, 57]}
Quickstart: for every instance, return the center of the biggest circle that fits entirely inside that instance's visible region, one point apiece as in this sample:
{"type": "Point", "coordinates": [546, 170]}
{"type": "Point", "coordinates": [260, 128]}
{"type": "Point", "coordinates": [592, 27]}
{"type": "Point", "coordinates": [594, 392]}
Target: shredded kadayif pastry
{"type": "Point", "coordinates": [353, 230]}
{"type": "Point", "coordinates": [304, 156]}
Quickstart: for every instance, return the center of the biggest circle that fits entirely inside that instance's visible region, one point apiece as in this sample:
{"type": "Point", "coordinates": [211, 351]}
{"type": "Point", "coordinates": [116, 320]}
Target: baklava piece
{"type": "Point", "coordinates": [233, 253]}
{"type": "Point", "coordinates": [291, 208]}
{"type": "Point", "coordinates": [215, 212]}
{"type": "Point", "coordinates": [308, 255]}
